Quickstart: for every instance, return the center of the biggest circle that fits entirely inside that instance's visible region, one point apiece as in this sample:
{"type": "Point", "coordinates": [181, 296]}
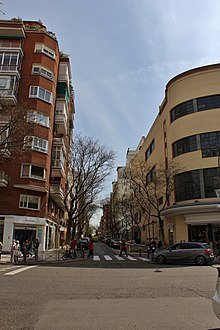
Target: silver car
{"type": "Point", "coordinates": [186, 252]}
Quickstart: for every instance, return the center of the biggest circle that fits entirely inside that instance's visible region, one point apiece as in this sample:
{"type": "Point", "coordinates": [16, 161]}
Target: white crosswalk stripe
{"type": "Point", "coordinates": [119, 258]}
{"type": "Point", "coordinates": [107, 257]}
{"type": "Point", "coordinates": [96, 258]}
{"type": "Point", "coordinates": [7, 268]}
{"type": "Point", "coordinates": [19, 270]}
{"type": "Point", "coordinates": [131, 258]}
{"type": "Point", "coordinates": [143, 259]}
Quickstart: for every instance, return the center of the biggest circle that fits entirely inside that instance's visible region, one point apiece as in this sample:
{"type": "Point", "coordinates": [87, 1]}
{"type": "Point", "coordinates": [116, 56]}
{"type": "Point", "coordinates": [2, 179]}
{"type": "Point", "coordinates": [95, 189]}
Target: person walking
{"type": "Point", "coordinates": [25, 250]}
{"type": "Point", "coordinates": [91, 249]}
{"type": "Point", "coordinates": [16, 251]}
{"type": "Point", "coordinates": [36, 246]}
{"type": "Point", "coordinates": [123, 248]}
{"type": "Point", "coordinates": [12, 251]}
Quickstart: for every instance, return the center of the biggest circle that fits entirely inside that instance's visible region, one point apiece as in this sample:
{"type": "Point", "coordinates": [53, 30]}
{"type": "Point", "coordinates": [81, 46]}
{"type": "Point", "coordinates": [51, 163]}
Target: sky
{"type": "Point", "coordinates": [123, 53]}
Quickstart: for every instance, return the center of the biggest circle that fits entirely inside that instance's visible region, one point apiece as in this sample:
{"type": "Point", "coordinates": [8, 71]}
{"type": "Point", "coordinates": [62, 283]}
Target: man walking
{"type": "Point", "coordinates": [123, 248]}
{"type": "Point", "coordinates": [36, 246]}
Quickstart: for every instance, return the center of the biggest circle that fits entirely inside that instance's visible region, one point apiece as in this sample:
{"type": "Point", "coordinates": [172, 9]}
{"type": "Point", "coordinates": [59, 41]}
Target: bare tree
{"type": "Point", "coordinates": [153, 188]}
{"type": "Point", "coordinates": [91, 165]}
{"type": "Point", "coordinates": [15, 129]}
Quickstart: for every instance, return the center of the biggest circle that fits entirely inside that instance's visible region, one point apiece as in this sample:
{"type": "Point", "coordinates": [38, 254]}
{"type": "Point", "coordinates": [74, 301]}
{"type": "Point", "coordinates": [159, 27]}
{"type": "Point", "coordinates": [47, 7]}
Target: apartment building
{"type": "Point", "coordinates": [186, 131]}
{"type": "Point", "coordinates": [35, 72]}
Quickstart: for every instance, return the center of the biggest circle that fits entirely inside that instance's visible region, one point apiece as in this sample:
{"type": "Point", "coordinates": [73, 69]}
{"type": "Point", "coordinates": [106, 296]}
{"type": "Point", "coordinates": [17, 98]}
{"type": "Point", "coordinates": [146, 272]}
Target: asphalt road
{"type": "Point", "coordinates": [67, 297]}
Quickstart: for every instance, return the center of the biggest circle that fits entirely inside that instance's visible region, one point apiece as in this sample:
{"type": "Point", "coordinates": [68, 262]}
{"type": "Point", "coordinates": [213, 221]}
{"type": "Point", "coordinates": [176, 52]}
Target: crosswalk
{"type": "Point", "coordinates": [117, 257]}
{"type": "Point", "coordinates": [13, 270]}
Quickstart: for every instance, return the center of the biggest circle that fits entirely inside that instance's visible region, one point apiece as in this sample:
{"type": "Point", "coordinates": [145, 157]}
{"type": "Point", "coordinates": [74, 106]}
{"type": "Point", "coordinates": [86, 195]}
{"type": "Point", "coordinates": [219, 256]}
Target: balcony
{"type": "Point", "coordinates": [8, 95]}
{"type": "Point", "coordinates": [14, 69]}
{"type": "Point", "coordinates": [64, 74]}
{"type": "Point", "coordinates": [3, 179]}
{"type": "Point", "coordinates": [16, 32]}
{"type": "Point", "coordinates": [57, 168]}
{"type": "Point", "coordinates": [61, 118]}
{"type": "Point", "coordinates": [57, 194]}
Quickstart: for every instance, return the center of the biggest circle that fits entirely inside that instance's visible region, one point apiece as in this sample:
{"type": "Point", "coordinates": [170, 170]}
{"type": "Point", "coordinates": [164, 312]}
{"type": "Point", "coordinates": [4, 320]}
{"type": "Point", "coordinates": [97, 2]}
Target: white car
{"type": "Point", "coordinates": [216, 297]}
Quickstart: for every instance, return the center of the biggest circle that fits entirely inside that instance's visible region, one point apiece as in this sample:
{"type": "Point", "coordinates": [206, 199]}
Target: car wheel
{"type": "Point", "coordinates": [161, 260]}
{"type": "Point", "coordinates": [200, 261]}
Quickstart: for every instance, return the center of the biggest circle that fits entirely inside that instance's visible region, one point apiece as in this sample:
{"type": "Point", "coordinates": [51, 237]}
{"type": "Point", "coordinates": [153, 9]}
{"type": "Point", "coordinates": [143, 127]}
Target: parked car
{"type": "Point", "coordinates": [186, 252]}
{"type": "Point", "coordinates": [83, 243]}
{"type": "Point", "coordinates": [115, 243]}
{"type": "Point", "coordinates": [216, 297]}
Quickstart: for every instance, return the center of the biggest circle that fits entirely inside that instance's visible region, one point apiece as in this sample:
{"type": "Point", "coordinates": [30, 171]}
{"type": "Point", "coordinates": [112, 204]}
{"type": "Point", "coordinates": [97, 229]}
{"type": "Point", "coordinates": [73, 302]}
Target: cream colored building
{"type": "Point", "coordinates": [187, 131]}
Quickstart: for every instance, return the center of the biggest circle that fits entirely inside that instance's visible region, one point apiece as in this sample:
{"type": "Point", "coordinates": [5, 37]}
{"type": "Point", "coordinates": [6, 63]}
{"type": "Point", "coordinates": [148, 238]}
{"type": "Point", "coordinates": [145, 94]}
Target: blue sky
{"type": "Point", "coordinates": [123, 53]}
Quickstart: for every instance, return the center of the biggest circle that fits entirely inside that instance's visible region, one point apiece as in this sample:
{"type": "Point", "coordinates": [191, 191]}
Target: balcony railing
{"type": "Point", "coordinates": [7, 68]}
{"type": "Point", "coordinates": [57, 194]}
{"type": "Point", "coordinates": [58, 168]}
{"type": "Point", "coordinates": [10, 44]}
{"type": "Point", "coordinates": [9, 94]}
{"type": "Point", "coordinates": [3, 179]}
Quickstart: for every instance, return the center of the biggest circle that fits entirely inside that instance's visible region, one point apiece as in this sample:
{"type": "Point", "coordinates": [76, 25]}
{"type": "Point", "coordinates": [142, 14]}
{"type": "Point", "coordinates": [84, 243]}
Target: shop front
{"type": "Point", "coordinates": [25, 228]}
{"type": "Point", "coordinates": [200, 222]}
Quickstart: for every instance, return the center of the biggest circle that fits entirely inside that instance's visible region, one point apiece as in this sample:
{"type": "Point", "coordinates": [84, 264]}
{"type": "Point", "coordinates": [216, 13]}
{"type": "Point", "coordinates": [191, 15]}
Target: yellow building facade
{"type": "Point", "coordinates": [187, 131]}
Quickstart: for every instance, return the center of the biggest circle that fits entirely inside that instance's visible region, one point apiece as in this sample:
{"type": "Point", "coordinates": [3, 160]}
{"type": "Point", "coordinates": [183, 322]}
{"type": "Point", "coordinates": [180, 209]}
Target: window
{"type": "Point", "coordinates": [208, 102]}
{"type": "Point", "coordinates": [40, 70]}
{"type": "Point", "coordinates": [58, 157]}
{"type": "Point", "coordinates": [29, 202]}
{"type": "Point", "coordinates": [210, 144]}
{"type": "Point", "coordinates": [150, 149]}
{"type": "Point", "coordinates": [151, 175]}
{"type": "Point", "coordinates": [187, 186]}
{"type": "Point", "coordinates": [211, 181]}
{"type": "Point", "coordinates": [184, 145]}
{"type": "Point", "coordinates": [181, 110]}
{"type": "Point", "coordinates": [9, 61]}
{"type": "Point", "coordinates": [32, 171]}
{"type": "Point", "coordinates": [41, 48]}
{"type": "Point", "coordinates": [41, 93]}
{"type": "Point", "coordinates": [39, 118]}
{"type": "Point", "coordinates": [36, 143]}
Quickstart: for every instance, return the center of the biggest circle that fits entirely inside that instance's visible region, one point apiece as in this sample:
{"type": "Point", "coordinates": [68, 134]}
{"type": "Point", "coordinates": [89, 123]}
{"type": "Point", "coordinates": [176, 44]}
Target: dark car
{"type": "Point", "coordinates": [115, 243]}
{"type": "Point", "coordinates": [186, 252]}
{"type": "Point", "coordinates": [83, 243]}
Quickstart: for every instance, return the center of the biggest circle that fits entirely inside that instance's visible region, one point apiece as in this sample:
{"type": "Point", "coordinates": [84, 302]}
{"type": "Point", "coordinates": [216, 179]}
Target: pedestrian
{"type": "Point", "coordinates": [16, 251]}
{"type": "Point", "coordinates": [123, 248]}
{"type": "Point", "coordinates": [12, 251]}
{"type": "Point", "coordinates": [36, 246]}
{"type": "Point", "coordinates": [73, 247]}
{"type": "Point", "coordinates": [91, 249]}
{"type": "Point", "coordinates": [25, 250]}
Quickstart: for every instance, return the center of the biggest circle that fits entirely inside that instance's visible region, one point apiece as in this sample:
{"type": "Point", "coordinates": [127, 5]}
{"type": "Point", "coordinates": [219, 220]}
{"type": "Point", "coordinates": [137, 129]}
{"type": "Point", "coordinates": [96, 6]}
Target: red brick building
{"type": "Point", "coordinates": [33, 71]}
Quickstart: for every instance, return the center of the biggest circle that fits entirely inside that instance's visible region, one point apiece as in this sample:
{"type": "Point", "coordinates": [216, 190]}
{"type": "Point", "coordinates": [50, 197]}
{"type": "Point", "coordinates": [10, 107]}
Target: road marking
{"type": "Point", "coordinates": [131, 258]}
{"type": "Point", "coordinates": [118, 257]}
{"type": "Point", "coordinates": [144, 259]}
{"type": "Point", "coordinates": [7, 268]}
{"type": "Point", "coordinates": [96, 258]}
{"type": "Point", "coordinates": [107, 257]}
{"type": "Point", "coordinates": [14, 272]}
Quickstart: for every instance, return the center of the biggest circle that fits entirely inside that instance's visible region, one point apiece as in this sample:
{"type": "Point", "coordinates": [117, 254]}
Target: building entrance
{"type": "Point", "coordinates": [25, 234]}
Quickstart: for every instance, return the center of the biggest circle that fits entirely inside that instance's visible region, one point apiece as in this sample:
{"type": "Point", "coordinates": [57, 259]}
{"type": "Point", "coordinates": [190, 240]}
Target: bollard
{"type": "Point", "coordinates": [83, 252]}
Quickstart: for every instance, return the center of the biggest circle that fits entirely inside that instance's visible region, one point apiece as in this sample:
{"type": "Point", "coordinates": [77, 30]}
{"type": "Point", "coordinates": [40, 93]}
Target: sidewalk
{"type": "Point", "coordinates": [43, 257]}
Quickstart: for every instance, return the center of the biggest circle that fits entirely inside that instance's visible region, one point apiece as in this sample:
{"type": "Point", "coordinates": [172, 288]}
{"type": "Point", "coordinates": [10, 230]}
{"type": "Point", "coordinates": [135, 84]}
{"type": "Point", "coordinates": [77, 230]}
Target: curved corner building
{"type": "Point", "coordinates": [187, 130]}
